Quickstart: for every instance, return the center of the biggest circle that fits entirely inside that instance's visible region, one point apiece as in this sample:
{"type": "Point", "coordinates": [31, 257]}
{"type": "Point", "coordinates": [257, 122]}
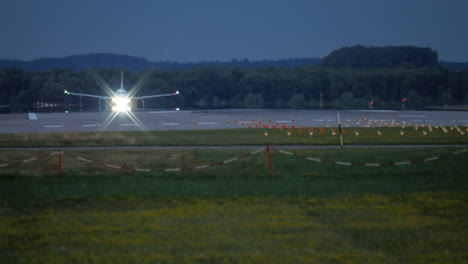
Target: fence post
{"type": "Point", "coordinates": [339, 127]}
{"type": "Point", "coordinates": [59, 160]}
{"type": "Point", "coordinates": [270, 164]}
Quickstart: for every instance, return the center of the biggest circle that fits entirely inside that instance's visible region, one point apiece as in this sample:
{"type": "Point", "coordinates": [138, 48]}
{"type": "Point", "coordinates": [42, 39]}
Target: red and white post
{"type": "Point", "coordinates": [270, 163]}
{"type": "Point", "coordinates": [59, 161]}
{"type": "Point", "coordinates": [339, 128]}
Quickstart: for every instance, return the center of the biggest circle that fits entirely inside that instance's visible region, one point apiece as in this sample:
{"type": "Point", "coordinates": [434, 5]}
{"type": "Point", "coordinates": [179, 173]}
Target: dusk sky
{"type": "Point", "coordinates": [195, 30]}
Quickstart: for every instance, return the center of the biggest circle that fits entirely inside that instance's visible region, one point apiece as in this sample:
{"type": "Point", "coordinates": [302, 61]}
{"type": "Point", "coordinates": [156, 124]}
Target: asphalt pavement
{"type": "Point", "coordinates": [218, 119]}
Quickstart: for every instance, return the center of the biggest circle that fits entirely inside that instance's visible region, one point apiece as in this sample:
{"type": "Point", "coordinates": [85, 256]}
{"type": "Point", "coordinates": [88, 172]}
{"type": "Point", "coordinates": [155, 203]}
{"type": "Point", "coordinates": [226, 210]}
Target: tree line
{"type": "Point", "coordinates": [235, 87]}
{"type": "Point", "coordinates": [361, 57]}
{"type": "Point", "coordinates": [135, 64]}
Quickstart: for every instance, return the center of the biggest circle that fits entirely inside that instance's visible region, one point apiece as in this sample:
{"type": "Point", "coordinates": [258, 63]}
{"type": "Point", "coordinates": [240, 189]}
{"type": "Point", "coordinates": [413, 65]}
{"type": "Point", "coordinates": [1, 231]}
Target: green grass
{"type": "Point", "coordinates": [248, 177]}
{"type": "Point", "coordinates": [367, 136]}
{"type": "Point", "coordinates": [450, 107]}
{"type": "Point", "coordinates": [407, 228]}
{"type": "Point", "coordinates": [305, 212]}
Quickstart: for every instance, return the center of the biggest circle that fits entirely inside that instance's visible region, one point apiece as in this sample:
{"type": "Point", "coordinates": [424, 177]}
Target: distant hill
{"type": "Point", "coordinates": [80, 62]}
{"type": "Point", "coordinates": [103, 60]}
{"type": "Point", "coordinates": [245, 63]}
{"type": "Point", "coordinates": [361, 57]}
{"type": "Point", "coordinates": [135, 64]}
{"type": "Point", "coordinates": [458, 66]}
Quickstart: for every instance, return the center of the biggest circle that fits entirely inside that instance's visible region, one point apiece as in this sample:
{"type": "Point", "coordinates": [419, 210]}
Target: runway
{"type": "Point", "coordinates": [216, 119]}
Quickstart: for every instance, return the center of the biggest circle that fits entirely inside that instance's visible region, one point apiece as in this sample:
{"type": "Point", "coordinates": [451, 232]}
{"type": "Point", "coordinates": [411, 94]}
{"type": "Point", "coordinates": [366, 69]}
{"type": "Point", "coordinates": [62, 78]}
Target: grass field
{"type": "Point", "coordinates": [253, 136]}
{"type": "Point", "coordinates": [304, 212]}
{"type": "Point", "coordinates": [450, 107]}
{"type": "Point", "coordinates": [371, 228]}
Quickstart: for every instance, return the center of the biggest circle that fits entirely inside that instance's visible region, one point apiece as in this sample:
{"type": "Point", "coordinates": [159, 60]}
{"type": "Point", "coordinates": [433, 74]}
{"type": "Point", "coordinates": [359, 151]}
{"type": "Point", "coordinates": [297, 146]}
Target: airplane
{"type": "Point", "coordinates": [121, 99]}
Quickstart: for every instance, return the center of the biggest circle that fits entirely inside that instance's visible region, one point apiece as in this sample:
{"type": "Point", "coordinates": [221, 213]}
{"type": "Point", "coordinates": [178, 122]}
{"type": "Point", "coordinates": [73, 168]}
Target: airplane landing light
{"type": "Point", "coordinates": [121, 104]}
{"type": "Point", "coordinates": [120, 100]}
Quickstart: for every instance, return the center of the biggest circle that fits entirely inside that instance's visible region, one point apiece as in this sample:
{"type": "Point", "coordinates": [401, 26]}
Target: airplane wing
{"type": "Point", "coordinates": [88, 95]}
{"type": "Point", "coordinates": [154, 96]}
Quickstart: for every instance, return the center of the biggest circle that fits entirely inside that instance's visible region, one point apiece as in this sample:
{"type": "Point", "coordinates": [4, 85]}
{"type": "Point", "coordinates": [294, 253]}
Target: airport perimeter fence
{"type": "Point", "coordinates": [267, 149]}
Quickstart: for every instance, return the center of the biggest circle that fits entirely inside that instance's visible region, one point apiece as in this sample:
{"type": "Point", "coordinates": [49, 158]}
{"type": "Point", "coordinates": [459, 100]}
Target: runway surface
{"type": "Point", "coordinates": [226, 147]}
{"type": "Point", "coordinates": [215, 119]}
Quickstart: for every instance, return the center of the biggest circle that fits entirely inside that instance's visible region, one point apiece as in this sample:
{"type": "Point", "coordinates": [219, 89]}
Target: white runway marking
{"type": "Point", "coordinates": [170, 124]}
{"type": "Point", "coordinates": [129, 125]}
{"type": "Point", "coordinates": [245, 122]}
{"type": "Point", "coordinates": [207, 123]}
{"type": "Point", "coordinates": [188, 120]}
{"type": "Point", "coordinates": [376, 111]}
{"type": "Point", "coordinates": [380, 120]}
{"type": "Point", "coordinates": [421, 121]}
{"type": "Point", "coordinates": [165, 112]}
{"type": "Point", "coordinates": [32, 116]}
{"type": "Point", "coordinates": [413, 116]}
{"type": "Point", "coordinates": [323, 120]}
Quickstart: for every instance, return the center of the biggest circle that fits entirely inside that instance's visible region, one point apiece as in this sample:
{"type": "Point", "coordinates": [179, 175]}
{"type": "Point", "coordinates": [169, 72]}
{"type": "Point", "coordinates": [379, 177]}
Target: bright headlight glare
{"type": "Point", "coordinates": [121, 104]}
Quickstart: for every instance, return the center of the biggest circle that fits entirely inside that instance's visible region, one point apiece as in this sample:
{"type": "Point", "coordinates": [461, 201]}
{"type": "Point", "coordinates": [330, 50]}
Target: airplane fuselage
{"type": "Point", "coordinates": [120, 100]}
{"type": "Point", "coordinates": [121, 103]}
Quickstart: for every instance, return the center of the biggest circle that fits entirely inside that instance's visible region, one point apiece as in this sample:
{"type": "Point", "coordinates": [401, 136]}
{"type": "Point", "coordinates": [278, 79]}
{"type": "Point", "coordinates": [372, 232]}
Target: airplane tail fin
{"type": "Point", "coordinates": [121, 80]}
